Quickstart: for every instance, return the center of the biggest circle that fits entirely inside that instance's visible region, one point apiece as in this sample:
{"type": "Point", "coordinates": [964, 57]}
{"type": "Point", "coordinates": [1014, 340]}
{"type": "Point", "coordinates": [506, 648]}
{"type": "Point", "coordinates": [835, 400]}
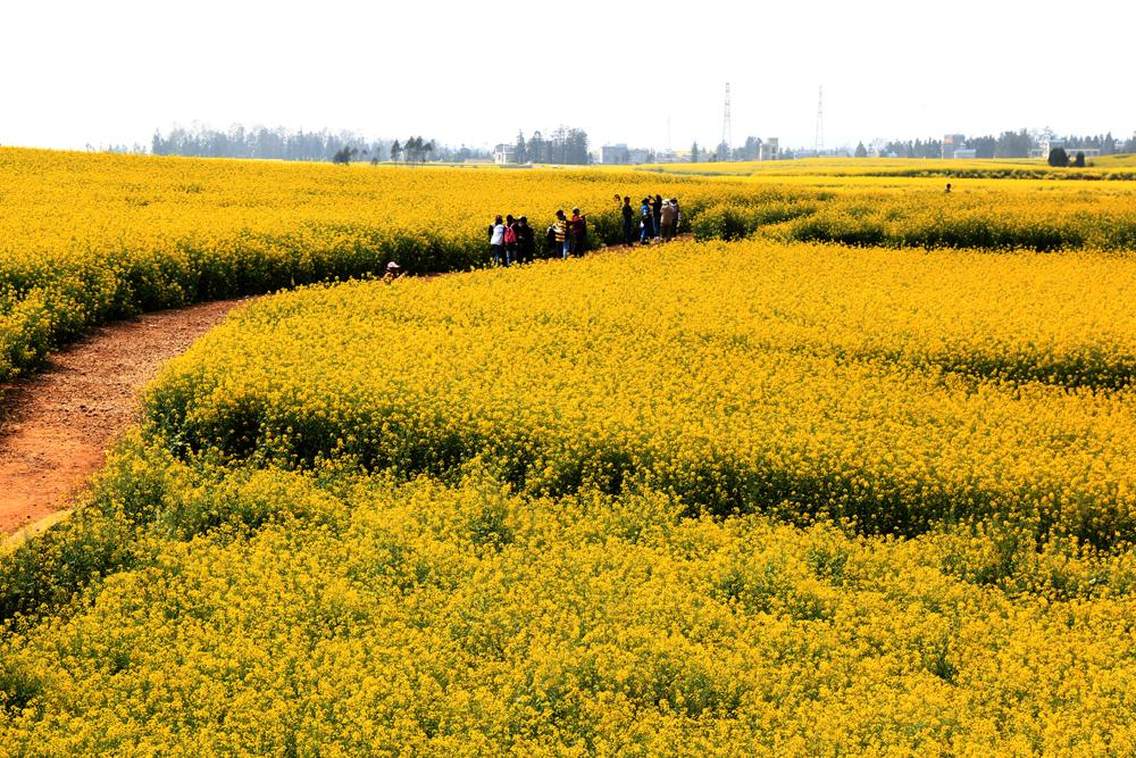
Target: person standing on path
{"type": "Point", "coordinates": [646, 222]}
{"type": "Point", "coordinates": [510, 239]}
{"type": "Point", "coordinates": [579, 230]}
{"type": "Point", "coordinates": [666, 222]}
{"type": "Point", "coordinates": [526, 241]}
{"type": "Point", "coordinates": [550, 244]}
{"type": "Point", "coordinates": [497, 241]}
{"type": "Point", "coordinates": [561, 227]}
{"type": "Point", "coordinates": [628, 222]}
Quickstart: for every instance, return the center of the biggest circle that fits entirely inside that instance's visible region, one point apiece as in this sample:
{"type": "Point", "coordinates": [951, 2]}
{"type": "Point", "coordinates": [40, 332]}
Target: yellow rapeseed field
{"type": "Point", "coordinates": [746, 495]}
{"type": "Point", "coordinates": [88, 237]}
{"type": "Point", "coordinates": [898, 388]}
{"type": "Point", "coordinates": [354, 616]}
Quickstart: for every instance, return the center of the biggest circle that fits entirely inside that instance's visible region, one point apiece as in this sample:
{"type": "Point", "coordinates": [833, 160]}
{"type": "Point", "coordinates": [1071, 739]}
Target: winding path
{"type": "Point", "coordinates": [58, 422]}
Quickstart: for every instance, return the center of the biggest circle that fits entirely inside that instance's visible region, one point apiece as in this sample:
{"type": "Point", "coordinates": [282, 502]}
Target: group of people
{"type": "Point", "coordinates": [512, 240]}
{"type": "Point", "coordinates": [659, 219]}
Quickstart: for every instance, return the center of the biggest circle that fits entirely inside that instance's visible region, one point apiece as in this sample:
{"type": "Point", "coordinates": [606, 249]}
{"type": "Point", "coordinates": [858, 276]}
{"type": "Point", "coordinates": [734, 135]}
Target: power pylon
{"type": "Point", "coordinates": [727, 128]}
{"type": "Point", "coordinates": [820, 120]}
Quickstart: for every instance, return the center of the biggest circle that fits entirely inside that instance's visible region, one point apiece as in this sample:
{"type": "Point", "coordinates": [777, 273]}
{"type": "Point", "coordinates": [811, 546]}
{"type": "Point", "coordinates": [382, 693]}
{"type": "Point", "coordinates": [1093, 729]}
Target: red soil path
{"type": "Point", "coordinates": [57, 423]}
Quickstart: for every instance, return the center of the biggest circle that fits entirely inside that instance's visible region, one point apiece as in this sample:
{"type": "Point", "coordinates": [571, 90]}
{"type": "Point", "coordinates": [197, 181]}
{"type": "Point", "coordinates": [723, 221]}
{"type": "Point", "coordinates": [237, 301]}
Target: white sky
{"type": "Point", "coordinates": [114, 71]}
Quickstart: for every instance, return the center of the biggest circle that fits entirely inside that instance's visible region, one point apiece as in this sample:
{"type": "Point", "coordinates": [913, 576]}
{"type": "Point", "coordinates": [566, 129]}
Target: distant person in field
{"type": "Point", "coordinates": [646, 222]}
{"type": "Point", "coordinates": [394, 271]}
{"type": "Point", "coordinates": [562, 238]}
{"type": "Point", "coordinates": [497, 241]}
{"type": "Point", "coordinates": [948, 188]}
{"type": "Point", "coordinates": [657, 210]}
{"type": "Point", "coordinates": [666, 221]}
{"type": "Point", "coordinates": [628, 221]}
{"type": "Point", "coordinates": [510, 239]}
{"type": "Point", "coordinates": [526, 241]}
{"type": "Point", "coordinates": [678, 214]}
{"type": "Point", "coordinates": [550, 248]}
{"type": "Point", "coordinates": [579, 232]}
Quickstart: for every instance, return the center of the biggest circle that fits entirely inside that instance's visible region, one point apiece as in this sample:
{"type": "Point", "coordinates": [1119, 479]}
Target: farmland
{"type": "Point", "coordinates": [87, 238]}
{"type": "Point", "coordinates": [751, 491]}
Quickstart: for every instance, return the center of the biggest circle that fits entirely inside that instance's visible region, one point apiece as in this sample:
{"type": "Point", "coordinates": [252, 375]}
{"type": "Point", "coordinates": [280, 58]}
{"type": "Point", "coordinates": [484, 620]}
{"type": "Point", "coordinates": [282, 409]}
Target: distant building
{"type": "Point", "coordinates": [503, 154]}
{"type": "Point", "coordinates": [638, 155]}
{"type": "Point", "coordinates": [1048, 144]}
{"type": "Point", "coordinates": [965, 154]}
{"type": "Point", "coordinates": [769, 149]}
{"type": "Point", "coordinates": [953, 143]}
{"type": "Point", "coordinates": [615, 154]}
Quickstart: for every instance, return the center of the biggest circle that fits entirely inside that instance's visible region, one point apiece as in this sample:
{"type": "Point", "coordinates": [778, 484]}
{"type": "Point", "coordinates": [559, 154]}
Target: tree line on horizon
{"type": "Point", "coordinates": [1008, 144]}
{"type": "Point", "coordinates": [283, 144]}
{"type": "Point", "coordinates": [563, 146]}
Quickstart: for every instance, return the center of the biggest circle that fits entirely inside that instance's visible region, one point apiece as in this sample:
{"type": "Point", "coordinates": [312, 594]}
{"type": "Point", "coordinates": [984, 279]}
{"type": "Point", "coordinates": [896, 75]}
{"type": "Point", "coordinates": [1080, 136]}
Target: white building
{"type": "Point", "coordinates": [638, 155]}
{"type": "Point", "coordinates": [503, 154]}
{"type": "Point", "coordinates": [615, 154]}
{"type": "Point", "coordinates": [953, 143]}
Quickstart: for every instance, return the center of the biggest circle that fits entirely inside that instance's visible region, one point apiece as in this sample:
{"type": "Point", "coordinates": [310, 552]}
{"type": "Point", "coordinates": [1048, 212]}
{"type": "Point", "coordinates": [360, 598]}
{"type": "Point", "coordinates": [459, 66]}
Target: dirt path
{"type": "Point", "coordinates": [58, 422]}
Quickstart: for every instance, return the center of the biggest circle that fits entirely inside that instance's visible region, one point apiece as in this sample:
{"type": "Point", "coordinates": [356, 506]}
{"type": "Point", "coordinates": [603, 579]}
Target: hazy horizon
{"type": "Point", "coordinates": [115, 73]}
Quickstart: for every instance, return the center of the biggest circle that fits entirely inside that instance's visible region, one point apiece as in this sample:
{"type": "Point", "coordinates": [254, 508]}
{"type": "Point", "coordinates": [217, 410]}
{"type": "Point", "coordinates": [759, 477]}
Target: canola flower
{"type": "Point", "coordinates": [898, 389]}
{"type": "Point", "coordinates": [85, 238]}
{"type": "Point", "coordinates": [748, 498]}
{"type": "Point", "coordinates": [347, 614]}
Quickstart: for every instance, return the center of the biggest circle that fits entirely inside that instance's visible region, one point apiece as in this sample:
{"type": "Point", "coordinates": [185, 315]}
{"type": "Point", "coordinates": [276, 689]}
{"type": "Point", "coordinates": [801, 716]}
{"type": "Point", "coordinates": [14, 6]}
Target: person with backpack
{"type": "Point", "coordinates": [628, 222]}
{"type": "Point", "coordinates": [564, 245]}
{"type": "Point", "coordinates": [497, 241]}
{"type": "Point", "coordinates": [579, 232]}
{"type": "Point", "coordinates": [510, 239]}
{"type": "Point", "coordinates": [526, 241]}
{"type": "Point", "coordinates": [646, 222]}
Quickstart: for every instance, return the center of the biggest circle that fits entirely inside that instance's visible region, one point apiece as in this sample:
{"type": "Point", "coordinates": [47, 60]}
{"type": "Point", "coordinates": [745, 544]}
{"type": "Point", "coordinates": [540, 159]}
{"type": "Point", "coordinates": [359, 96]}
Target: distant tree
{"type": "Point", "coordinates": [396, 151]}
{"type": "Point", "coordinates": [520, 150]}
{"type": "Point", "coordinates": [1079, 160]}
{"type": "Point", "coordinates": [694, 154]}
{"type": "Point", "coordinates": [537, 148]}
{"type": "Point", "coordinates": [1014, 144]}
{"type": "Point", "coordinates": [752, 149]}
{"type": "Point", "coordinates": [1058, 157]}
{"type": "Point", "coordinates": [344, 155]}
{"type": "Point", "coordinates": [576, 148]}
{"type": "Point", "coordinates": [861, 151]}
{"type": "Point", "coordinates": [983, 147]}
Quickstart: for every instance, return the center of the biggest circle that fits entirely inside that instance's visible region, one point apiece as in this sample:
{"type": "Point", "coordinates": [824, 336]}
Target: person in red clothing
{"type": "Point", "coordinates": [578, 228]}
{"type": "Point", "coordinates": [510, 239]}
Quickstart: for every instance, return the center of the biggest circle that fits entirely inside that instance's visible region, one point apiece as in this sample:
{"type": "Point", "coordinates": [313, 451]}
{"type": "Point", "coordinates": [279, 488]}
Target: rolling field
{"type": "Point", "coordinates": [749, 492]}
{"type": "Point", "coordinates": [85, 237]}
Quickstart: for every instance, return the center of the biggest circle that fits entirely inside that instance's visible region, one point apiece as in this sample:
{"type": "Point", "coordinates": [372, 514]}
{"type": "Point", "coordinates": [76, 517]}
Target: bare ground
{"type": "Point", "coordinates": [58, 422]}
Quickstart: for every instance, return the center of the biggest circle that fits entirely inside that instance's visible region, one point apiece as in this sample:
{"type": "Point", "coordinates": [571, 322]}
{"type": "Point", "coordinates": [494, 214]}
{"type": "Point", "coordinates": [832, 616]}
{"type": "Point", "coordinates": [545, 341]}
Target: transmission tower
{"type": "Point", "coordinates": [820, 120]}
{"type": "Point", "coordinates": [727, 129]}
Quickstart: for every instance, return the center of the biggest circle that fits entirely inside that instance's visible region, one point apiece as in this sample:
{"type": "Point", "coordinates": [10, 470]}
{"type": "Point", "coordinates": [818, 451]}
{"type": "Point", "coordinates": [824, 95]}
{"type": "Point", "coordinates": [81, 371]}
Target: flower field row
{"type": "Point", "coordinates": [897, 389]}
{"type": "Point", "coordinates": [86, 238]}
{"type": "Point", "coordinates": [343, 615]}
{"type": "Point", "coordinates": [704, 498]}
